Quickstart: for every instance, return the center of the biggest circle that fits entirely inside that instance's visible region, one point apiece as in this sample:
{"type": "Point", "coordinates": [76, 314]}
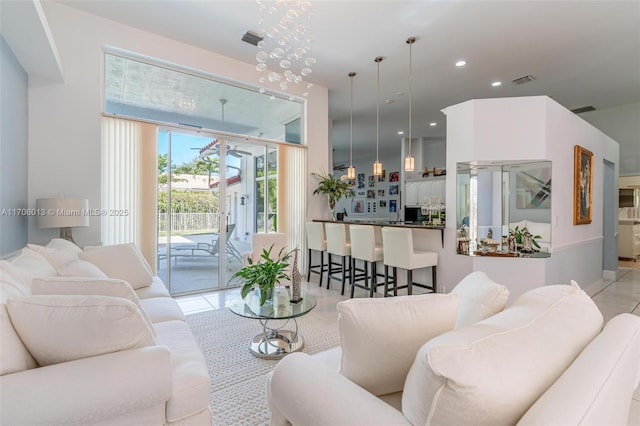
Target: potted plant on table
{"type": "Point", "coordinates": [263, 274]}
{"type": "Point", "coordinates": [334, 188]}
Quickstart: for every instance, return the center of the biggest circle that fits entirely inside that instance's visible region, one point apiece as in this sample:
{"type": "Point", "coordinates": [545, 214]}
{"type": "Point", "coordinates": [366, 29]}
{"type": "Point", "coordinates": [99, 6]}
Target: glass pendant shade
{"type": "Point", "coordinates": [409, 163]}
{"type": "Point", "coordinates": [351, 172]}
{"type": "Point", "coordinates": [377, 168]}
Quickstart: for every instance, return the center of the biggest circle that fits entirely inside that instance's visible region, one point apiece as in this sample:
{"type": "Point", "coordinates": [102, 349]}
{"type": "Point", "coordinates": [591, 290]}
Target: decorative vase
{"type": "Point", "coordinates": [296, 279]}
{"type": "Point", "coordinates": [332, 206]}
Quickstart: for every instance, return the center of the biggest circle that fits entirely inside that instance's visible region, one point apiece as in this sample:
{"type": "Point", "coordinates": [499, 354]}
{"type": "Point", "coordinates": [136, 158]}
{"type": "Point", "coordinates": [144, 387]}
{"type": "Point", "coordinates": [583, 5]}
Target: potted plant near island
{"type": "Point", "coordinates": [264, 274]}
{"type": "Point", "coordinates": [334, 188]}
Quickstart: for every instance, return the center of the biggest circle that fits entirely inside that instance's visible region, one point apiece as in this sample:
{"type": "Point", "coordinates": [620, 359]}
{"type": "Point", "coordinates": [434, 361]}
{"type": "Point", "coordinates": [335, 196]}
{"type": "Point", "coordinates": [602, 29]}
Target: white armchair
{"type": "Point", "coordinates": [380, 339]}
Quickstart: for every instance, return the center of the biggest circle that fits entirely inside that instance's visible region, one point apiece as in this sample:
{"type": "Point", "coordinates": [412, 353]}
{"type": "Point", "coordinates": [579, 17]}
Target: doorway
{"type": "Point", "coordinates": [213, 194]}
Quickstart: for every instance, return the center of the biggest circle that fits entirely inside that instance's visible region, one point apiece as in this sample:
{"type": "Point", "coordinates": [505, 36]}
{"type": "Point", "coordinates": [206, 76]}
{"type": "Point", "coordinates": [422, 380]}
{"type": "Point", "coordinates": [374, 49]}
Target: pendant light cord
{"type": "Point", "coordinates": [351, 75]}
{"type": "Point", "coordinates": [410, 41]}
{"type": "Point", "coordinates": [378, 60]}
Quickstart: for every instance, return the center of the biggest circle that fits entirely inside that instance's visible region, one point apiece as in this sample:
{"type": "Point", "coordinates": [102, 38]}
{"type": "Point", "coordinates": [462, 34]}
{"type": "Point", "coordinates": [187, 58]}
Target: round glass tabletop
{"type": "Point", "coordinates": [279, 306]}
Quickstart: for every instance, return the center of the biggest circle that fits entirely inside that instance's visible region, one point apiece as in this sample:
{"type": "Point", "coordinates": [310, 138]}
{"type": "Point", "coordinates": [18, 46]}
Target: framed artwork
{"type": "Point", "coordinates": [361, 193]}
{"type": "Point", "coordinates": [393, 206]}
{"type": "Point", "coordinates": [582, 185]}
{"type": "Point", "coordinates": [380, 192]}
{"type": "Point", "coordinates": [394, 176]}
{"type": "Point", "coordinates": [357, 206]}
{"type": "Point", "coordinates": [371, 193]}
{"type": "Point", "coordinates": [383, 204]}
{"type": "Point", "coordinates": [360, 180]}
{"type": "Point", "coordinates": [393, 189]}
{"type": "Point", "coordinates": [372, 181]}
{"type": "Point", "coordinates": [382, 176]}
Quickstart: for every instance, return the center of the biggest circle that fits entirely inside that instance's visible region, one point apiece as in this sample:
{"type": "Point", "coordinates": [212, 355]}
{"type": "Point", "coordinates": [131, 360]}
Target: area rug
{"type": "Point", "coordinates": [238, 379]}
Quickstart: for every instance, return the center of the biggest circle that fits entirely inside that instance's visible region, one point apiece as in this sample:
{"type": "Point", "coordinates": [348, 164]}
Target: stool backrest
{"type": "Point", "coordinates": [397, 245]}
{"type": "Point", "coordinates": [337, 239]}
{"type": "Point", "coordinates": [316, 239]}
{"type": "Point", "coordinates": [363, 242]}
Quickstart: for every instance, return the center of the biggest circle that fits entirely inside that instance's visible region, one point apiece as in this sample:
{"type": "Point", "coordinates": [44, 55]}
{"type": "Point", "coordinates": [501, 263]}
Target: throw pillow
{"type": "Point", "coordinates": [122, 261]}
{"type": "Point", "coordinates": [31, 264]}
{"type": "Point", "coordinates": [491, 372]}
{"type": "Point", "coordinates": [480, 297]}
{"type": "Point", "coordinates": [62, 244]}
{"type": "Point", "coordinates": [384, 335]}
{"type": "Point", "coordinates": [81, 268]}
{"type": "Point", "coordinates": [58, 329]}
{"type": "Point", "coordinates": [86, 286]}
{"type": "Point", "coordinates": [57, 258]}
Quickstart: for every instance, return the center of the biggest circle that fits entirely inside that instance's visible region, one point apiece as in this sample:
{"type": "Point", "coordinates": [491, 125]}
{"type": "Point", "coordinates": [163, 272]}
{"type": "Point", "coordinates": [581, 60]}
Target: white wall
{"type": "Point", "coordinates": [622, 124]}
{"type": "Point", "coordinates": [64, 122]}
{"type": "Point", "coordinates": [533, 128]}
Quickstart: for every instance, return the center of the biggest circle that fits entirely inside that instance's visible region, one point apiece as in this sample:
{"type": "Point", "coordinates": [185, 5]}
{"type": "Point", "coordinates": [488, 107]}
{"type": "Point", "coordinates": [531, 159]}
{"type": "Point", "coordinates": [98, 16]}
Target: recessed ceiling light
{"type": "Point", "coordinates": [496, 83]}
{"type": "Point", "coordinates": [461, 63]}
{"type": "Point", "coordinates": [400, 93]}
{"type": "Point", "coordinates": [401, 132]}
{"type": "Point", "coordinates": [389, 101]}
{"type": "Point", "coordinates": [433, 124]}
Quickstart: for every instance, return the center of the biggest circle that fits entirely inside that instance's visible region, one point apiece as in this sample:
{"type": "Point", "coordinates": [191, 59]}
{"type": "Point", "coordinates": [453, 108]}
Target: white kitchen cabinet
{"type": "Point", "coordinates": [416, 191]}
{"type": "Point", "coordinates": [629, 239]}
{"type": "Point", "coordinates": [411, 194]}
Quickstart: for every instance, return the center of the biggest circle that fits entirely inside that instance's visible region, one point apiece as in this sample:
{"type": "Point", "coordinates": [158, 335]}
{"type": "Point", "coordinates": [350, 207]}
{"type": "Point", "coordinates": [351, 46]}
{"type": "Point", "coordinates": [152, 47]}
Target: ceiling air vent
{"type": "Point", "coordinates": [523, 80]}
{"type": "Point", "coordinates": [252, 37]}
{"type": "Point", "coordinates": [583, 109]}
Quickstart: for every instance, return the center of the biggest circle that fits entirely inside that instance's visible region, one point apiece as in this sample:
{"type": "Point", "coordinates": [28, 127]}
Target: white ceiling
{"type": "Point", "coordinates": [579, 52]}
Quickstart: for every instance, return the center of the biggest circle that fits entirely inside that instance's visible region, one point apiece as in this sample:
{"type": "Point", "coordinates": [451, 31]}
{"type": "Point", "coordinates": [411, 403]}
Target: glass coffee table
{"type": "Point", "coordinates": [275, 341]}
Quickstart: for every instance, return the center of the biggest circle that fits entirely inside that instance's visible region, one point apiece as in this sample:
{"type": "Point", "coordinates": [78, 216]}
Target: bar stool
{"type": "Point", "coordinates": [363, 247]}
{"type": "Point", "coordinates": [338, 245]}
{"type": "Point", "coordinates": [397, 244]}
{"type": "Point", "coordinates": [316, 241]}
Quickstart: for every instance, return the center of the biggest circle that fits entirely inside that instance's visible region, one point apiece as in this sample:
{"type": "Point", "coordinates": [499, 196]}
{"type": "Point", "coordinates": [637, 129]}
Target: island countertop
{"type": "Point", "coordinates": [395, 223]}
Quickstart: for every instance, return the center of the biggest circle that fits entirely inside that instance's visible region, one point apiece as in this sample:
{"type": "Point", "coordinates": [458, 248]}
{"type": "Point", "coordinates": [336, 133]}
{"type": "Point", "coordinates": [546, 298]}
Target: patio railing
{"type": "Point", "coordinates": [184, 222]}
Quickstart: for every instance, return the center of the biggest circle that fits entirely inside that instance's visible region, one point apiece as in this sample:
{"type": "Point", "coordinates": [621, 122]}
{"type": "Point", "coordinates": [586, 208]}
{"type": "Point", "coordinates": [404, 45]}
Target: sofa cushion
{"type": "Point", "coordinates": [57, 258]}
{"type": "Point", "coordinates": [191, 384]}
{"type": "Point", "coordinates": [121, 261]}
{"type": "Point", "coordinates": [31, 264]}
{"type": "Point", "coordinates": [156, 289]}
{"type": "Point", "coordinates": [383, 335]}
{"type": "Point", "coordinates": [480, 297]}
{"type": "Point", "coordinates": [14, 355]}
{"type": "Point", "coordinates": [490, 372]}
{"type": "Point", "coordinates": [89, 286]}
{"type": "Point", "coordinates": [81, 268]}
{"type": "Point", "coordinates": [62, 244]}
{"type": "Point", "coordinates": [595, 396]}
{"type": "Point", "coordinates": [162, 309]}
{"type": "Point", "coordinates": [57, 329]}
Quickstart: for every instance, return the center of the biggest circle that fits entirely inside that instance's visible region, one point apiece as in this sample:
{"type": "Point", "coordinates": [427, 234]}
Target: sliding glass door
{"type": "Point", "coordinates": [213, 195]}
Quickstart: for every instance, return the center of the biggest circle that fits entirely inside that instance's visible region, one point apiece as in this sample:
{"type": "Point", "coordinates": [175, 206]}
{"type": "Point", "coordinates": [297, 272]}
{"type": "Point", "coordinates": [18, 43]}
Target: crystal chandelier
{"type": "Point", "coordinates": [285, 51]}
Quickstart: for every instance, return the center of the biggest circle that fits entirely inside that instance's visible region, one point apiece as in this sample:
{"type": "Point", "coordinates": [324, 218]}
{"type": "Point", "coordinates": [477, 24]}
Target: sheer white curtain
{"type": "Point", "coordinates": [292, 197]}
{"type": "Point", "coordinates": [129, 183]}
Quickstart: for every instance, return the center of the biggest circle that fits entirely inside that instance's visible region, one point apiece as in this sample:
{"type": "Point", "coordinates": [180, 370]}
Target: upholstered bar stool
{"type": "Point", "coordinates": [364, 248]}
{"type": "Point", "coordinates": [338, 245]}
{"type": "Point", "coordinates": [316, 241]}
{"type": "Point", "coordinates": [397, 244]}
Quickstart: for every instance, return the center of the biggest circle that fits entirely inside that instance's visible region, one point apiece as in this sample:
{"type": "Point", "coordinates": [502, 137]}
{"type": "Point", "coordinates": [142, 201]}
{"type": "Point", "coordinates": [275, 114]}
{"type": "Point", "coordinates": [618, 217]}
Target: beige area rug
{"type": "Point", "coordinates": [238, 379]}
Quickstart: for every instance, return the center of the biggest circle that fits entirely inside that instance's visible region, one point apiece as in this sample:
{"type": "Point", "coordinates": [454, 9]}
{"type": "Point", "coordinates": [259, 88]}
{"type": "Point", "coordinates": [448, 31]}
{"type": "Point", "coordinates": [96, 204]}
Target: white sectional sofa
{"type": "Point", "coordinates": [545, 360]}
{"type": "Point", "coordinates": [92, 337]}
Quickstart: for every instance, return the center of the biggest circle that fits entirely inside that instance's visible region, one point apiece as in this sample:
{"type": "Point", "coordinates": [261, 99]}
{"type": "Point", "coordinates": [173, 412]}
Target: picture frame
{"type": "Point", "coordinates": [357, 206]}
{"type": "Point", "coordinates": [582, 185]}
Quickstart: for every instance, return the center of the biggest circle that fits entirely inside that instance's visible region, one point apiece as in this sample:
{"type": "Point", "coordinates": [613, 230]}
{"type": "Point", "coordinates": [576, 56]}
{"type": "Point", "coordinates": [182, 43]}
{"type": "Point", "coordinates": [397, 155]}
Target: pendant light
{"type": "Point", "coordinates": [351, 171]}
{"type": "Point", "coordinates": [409, 161]}
{"type": "Point", "coordinates": [377, 165]}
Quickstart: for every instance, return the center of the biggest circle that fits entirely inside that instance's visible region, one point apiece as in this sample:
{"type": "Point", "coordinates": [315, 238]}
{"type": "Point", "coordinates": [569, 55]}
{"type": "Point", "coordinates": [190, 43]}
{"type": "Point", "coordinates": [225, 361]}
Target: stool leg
{"type": "Point", "coordinates": [309, 268]}
{"type": "Point", "coordinates": [329, 271]}
{"type": "Point", "coordinates": [395, 281]}
{"type": "Point", "coordinates": [433, 277]}
{"type": "Point", "coordinates": [409, 282]}
{"type": "Point", "coordinates": [344, 271]}
{"type": "Point", "coordinates": [374, 276]}
{"type": "Point", "coordinates": [352, 278]}
{"type": "Point", "coordinates": [321, 267]}
{"type": "Point", "coordinates": [386, 280]}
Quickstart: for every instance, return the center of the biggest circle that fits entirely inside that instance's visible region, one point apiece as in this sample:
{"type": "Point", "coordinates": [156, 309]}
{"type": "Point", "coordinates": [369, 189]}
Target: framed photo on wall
{"type": "Point", "coordinates": [582, 185]}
